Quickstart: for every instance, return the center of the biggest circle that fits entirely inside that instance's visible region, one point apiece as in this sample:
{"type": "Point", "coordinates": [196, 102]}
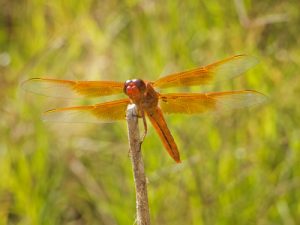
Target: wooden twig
{"type": "Point", "coordinates": [142, 207]}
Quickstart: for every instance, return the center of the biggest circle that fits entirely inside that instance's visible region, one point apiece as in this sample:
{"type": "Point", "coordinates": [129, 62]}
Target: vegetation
{"type": "Point", "coordinates": [238, 168]}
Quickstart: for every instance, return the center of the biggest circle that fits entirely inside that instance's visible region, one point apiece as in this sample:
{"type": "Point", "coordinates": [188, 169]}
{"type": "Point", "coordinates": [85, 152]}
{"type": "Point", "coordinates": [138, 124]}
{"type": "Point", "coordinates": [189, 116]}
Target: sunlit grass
{"type": "Point", "coordinates": [238, 168]}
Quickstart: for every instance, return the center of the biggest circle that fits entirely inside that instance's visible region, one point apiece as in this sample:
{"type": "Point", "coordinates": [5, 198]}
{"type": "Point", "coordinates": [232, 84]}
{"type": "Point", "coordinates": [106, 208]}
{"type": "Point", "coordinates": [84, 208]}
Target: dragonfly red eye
{"type": "Point", "coordinates": [134, 87]}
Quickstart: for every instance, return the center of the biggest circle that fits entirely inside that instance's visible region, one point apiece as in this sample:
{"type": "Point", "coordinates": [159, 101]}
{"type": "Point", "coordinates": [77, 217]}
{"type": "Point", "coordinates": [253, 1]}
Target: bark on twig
{"type": "Point", "coordinates": [142, 207]}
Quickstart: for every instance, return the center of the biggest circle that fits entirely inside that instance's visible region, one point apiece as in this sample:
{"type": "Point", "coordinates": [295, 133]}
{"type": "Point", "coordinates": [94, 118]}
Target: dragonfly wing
{"type": "Point", "coordinates": [72, 89]}
{"type": "Point", "coordinates": [221, 70]}
{"type": "Point", "coordinates": [100, 113]}
{"type": "Point", "coordinates": [214, 101]}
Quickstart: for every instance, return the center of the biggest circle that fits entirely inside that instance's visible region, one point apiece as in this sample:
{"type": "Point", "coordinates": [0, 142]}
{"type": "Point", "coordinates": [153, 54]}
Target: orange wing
{"type": "Point", "coordinates": [160, 125]}
{"type": "Point", "coordinates": [221, 70]}
{"type": "Point", "coordinates": [71, 89]}
{"type": "Point", "coordinates": [103, 112]}
{"type": "Point", "coordinates": [215, 101]}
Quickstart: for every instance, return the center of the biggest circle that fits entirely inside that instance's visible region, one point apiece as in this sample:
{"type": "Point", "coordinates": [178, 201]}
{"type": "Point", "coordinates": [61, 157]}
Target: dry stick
{"type": "Point", "coordinates": [142, 207]}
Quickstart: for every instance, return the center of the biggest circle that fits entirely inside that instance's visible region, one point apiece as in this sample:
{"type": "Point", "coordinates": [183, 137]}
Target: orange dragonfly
{"type": "Point", "coordinates": [150, 102]}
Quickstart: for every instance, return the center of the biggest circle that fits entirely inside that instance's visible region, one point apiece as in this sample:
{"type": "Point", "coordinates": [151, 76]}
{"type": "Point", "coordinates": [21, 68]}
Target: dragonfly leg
{"type": "Point", "coordinates": [145, 127]}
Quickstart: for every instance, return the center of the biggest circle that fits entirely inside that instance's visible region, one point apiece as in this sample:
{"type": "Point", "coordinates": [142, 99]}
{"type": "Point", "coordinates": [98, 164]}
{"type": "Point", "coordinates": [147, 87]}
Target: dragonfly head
{"type": "Point", "coordinates": [134, 88]}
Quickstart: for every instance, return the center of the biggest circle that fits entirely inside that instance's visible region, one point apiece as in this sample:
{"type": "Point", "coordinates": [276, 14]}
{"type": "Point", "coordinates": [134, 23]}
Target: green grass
{"type": "Point", "coordinates": [238, 168]}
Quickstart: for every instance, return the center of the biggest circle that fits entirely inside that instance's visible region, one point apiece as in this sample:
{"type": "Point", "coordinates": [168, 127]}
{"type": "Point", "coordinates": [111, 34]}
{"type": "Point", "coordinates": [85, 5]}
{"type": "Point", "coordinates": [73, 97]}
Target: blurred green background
{"type": "Point", "coordinates": [239, 168]}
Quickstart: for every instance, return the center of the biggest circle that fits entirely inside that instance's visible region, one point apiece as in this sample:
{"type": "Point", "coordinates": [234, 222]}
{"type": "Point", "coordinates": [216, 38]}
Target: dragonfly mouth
{"type": "Point", "coordinates": [132, 90]}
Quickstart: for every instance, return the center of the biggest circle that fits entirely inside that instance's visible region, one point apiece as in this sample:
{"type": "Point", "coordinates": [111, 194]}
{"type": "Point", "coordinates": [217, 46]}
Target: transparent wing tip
{"type": "Point", "coordinates": [26, 85]}
{"type": "Point", "coordinates": [247, 99]}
